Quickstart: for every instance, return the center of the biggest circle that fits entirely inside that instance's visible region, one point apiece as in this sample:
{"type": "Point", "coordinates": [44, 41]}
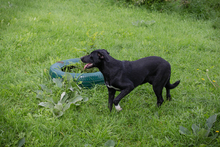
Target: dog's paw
{"type": "Point", "coordinates": [118, 108]}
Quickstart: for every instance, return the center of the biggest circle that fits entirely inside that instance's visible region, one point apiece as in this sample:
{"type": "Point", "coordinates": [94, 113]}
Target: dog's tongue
{"type": "Point", "coordinates": [87, 65]}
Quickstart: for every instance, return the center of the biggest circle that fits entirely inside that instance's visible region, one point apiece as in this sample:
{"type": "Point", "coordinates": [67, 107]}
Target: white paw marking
{"type": "Point", "coordinates": [118, 108]}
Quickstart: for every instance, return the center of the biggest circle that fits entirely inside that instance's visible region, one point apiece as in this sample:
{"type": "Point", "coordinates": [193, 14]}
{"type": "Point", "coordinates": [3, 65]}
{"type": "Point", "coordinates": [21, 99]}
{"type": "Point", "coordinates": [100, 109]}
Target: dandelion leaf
{"type": "Point", "coordinates": [210, 121]}
{"type": "Point", "coordinates": [58, 113]}
{"type": "Point", "coordinates": [77, 99]}
{"type": "Point", "coordinates": [110, 143]}
{"type": "Point", "coordinates": [21, 142]}
{"type": "Point", "coordinates": [184, 130]}
{"type": "Point", "coordinates": [50, 99]}
{"type": "Point", "coordinates": [68, 77]}
{"type": "Point", "coordinates": [40, 94]}
{"type": "Point", "coordinates": [67, 106]}
{"type": "Point", "coordinates": [195, 129]}
{"type": "Point", "coordinates": [43, 87]}
{"type": "Point", "coordinates": [46, 104]}
{"type": "Point", "coordinates": [85, 99]}
{"type": "Point", "coordinates": [203, 133]}
{"type": "Point", "coordinates": [58, 106]}
{"type": "Point", "coordinates": [58, 82]}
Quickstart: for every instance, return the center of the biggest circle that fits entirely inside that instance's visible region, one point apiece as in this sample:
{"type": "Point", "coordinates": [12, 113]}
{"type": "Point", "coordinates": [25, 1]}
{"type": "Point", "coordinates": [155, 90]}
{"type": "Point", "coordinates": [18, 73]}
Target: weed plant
{"type": "Point", "coordinates": [36, 34]}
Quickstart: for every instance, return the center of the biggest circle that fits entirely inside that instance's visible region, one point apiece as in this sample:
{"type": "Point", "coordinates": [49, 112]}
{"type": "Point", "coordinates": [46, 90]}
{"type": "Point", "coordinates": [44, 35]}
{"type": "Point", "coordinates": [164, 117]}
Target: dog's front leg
{"type": "Point", "coordinates": [120, 96]}
{"type": "Point", "coordinates": [111, 96]}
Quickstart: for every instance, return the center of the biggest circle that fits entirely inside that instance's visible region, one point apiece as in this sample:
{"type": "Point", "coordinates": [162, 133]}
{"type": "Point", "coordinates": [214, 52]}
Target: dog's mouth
{"type": "Point", "coordinates": [89, 65]}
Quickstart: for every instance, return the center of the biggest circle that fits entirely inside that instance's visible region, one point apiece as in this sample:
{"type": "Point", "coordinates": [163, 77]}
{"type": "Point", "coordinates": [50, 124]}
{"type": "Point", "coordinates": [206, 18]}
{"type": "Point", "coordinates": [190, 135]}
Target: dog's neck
{"type": "Point", "coordinates": [107, 66]}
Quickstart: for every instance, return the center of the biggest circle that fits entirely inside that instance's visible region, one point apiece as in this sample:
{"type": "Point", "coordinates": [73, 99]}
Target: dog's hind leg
{"type": "Point", "coordinates": [111, 96]}
{"type": "Point", "coordinates": [167, 86]}
{"type": "Point", "coordinates": [158, 83]}
{"type": "Point", "coordinates": [158, 92]}
{"type": "Point", "coordinates": [168, 93]}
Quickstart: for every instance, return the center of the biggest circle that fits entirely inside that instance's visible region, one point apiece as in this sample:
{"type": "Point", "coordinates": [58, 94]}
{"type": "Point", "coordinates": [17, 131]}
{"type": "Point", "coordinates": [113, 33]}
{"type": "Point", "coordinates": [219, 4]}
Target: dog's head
{"type": "Point", "coordinates": [95, 58]}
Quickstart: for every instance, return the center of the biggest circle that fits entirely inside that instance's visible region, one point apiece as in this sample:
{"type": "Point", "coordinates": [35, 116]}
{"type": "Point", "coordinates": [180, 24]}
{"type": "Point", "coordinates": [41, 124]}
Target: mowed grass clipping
{"type": "Point", "coordinates": [36, 34]}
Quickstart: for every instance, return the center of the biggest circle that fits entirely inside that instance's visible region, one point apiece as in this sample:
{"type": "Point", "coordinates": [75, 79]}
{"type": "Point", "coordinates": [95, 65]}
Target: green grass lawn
{"type": "Point", "coordinates": [36, 34]}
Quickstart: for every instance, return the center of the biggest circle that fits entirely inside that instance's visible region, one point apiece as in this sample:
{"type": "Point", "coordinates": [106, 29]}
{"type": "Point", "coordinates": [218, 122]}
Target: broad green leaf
{"type": "Point", "coordinates": [49, 91]}
{"type": "Point", "coordinates": [40, 94]}
{"type": "Point", "coordinates": [210, 121]}
{"type": "Point", "coordinates": [62, 95]}
{"type": "Point", "coordinates": [110, 143]}
{"type": "Point", "coordinates": [50, 99]}
{"type": "Point", "coordinates": [67, 106]}
{"type": "Point", "coordinates": [195, 129]}
{"type": "Point", "coordinates": [85, 99]}
{"type": "Point", "coordinates": [58, 82]}
{"type": "Point", "coordinates": [58, 113]}
{"type": "Point", "coordinates": [74, 100]}
{"type": "Point", "coordinates": [58, 106]}
{"type": "Point", "coordinates": [46, 104]}
{"type": "Point", "coordinates": [71, 88]}
{"type": "Point", "coordinates": [184, 130]}
{"type": "Point", "coordinates": [202, 133]}
{"type": "Point", "coordinates": [21, 142]}
{"type": "Point", "coordinates": [143, 23]}
{"type": "Point", "coordinates": [76, 93]}
{"type": "Point", "coordinates": [43, 87]}
{"type": "Point", "coordinates": [68, 77]}
{"type": "Point", "coordinates": [64, 98]}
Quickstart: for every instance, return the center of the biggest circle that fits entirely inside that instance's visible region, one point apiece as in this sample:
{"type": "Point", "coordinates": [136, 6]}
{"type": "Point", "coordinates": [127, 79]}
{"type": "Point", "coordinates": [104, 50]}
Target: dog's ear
{"type": "Point", "coordinates": [103, 54]}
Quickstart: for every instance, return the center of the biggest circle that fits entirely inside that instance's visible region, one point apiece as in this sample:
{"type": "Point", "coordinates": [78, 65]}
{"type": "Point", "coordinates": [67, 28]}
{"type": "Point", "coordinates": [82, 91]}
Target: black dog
{"type": "Point", "coordinates": [124, 76]}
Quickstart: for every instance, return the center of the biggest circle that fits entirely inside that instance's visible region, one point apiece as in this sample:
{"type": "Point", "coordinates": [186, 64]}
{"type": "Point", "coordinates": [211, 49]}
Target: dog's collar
{"type": "Point", "coordinates": [113, 87]}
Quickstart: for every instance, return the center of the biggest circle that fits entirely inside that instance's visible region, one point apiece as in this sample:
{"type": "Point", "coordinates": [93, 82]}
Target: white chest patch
{"type": "Point", "coordinates": [113, 87]}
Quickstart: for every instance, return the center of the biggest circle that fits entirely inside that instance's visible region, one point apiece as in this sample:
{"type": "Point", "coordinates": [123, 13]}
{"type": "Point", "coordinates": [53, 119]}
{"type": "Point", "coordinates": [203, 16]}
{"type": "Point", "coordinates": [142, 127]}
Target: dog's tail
{"type": "Point", "coordinates": [171, 86]}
